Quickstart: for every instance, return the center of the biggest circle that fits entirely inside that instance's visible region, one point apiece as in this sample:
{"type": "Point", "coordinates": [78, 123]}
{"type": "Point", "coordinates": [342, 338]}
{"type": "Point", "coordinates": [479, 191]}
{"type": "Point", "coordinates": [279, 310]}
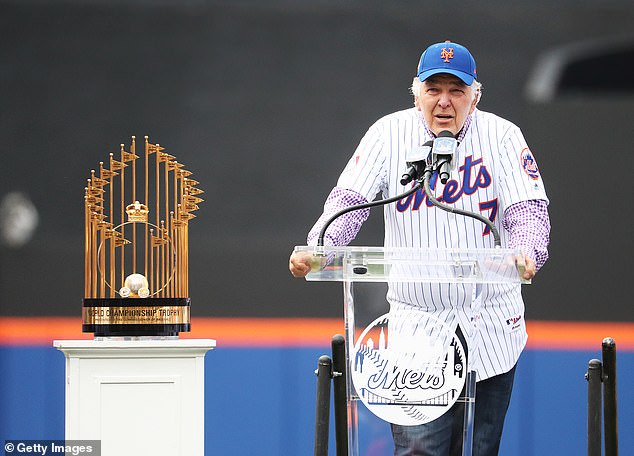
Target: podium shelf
{"type": "Point", "coordinates": [385, 264]}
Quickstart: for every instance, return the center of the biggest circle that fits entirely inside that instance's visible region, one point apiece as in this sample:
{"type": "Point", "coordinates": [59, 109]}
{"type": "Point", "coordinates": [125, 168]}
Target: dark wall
{"type": "Point", "coordinates": [265, 104]}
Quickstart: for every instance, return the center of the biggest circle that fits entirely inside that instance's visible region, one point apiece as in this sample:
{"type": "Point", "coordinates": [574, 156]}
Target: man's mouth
{"type": "Point", "coordinates": [444, 116]}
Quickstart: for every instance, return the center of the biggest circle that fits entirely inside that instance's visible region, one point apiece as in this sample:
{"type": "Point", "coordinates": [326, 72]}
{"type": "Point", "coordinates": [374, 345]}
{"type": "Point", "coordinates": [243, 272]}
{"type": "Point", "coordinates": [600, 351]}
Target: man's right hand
{"type": "Point", "coordinates": [299, 263]}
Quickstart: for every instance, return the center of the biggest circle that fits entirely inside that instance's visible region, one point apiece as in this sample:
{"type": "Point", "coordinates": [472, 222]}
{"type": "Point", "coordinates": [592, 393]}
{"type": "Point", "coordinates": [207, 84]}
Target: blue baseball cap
{"type": "Point", "coordinates": [447, 57]}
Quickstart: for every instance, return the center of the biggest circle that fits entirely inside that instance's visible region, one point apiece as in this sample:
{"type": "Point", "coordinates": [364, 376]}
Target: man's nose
{"type": "Point", "coordinates": [444, 100]}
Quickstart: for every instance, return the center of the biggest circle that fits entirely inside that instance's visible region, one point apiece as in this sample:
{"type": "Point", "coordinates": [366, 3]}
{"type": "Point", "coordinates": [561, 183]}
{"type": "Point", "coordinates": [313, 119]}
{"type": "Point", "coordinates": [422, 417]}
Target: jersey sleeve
{"type": "Point", "coordinates": [343, 229]}
{"type": "Point", "coordinates": [528, 225]}
{"type": "Point", "coordinates": [360, 181]}
{"type": "Point", "coordinates": [519, 178]}
{"type": "Point", "coordinates": [365, 171]}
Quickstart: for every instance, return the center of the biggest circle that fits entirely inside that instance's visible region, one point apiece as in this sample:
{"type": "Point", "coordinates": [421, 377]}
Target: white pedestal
{"type": "Point", "coordinates": [137, 396]}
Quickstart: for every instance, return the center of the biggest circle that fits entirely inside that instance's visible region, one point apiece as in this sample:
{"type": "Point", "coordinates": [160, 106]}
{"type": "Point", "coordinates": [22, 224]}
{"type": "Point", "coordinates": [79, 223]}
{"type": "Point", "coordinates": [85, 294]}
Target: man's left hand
{"type": "Point", "coordinates": [526, 266]}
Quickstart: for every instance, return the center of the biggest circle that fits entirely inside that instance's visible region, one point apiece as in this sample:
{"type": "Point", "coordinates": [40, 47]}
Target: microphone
{"type": "Point", "coordinates": [416, 162]}
{"type": "Point", "coordinates": [442, 153]}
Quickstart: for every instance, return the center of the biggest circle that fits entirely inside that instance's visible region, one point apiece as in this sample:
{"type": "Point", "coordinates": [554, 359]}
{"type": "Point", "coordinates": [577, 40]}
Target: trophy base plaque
{"type": "Point", "coordinates": [133, 317]}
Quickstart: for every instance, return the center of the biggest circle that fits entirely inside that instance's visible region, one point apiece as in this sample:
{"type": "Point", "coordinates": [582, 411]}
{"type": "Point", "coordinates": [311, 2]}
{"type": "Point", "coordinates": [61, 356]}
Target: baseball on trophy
{"type": "Point", "coordinates": [135, 285]}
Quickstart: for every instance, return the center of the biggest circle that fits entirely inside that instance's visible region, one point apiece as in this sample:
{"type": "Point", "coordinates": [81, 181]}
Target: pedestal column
{"type": "Point", "coordinates": [137, 396]}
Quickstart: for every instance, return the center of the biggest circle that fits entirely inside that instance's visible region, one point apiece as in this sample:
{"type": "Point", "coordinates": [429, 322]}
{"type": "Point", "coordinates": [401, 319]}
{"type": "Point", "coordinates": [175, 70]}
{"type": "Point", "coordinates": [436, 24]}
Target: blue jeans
{"type": "Point", "coordinates": [443, 436]}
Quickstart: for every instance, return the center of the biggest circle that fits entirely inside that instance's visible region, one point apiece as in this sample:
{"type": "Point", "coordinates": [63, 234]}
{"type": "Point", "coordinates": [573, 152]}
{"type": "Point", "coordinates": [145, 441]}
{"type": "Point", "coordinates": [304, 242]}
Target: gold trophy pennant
{"type": "Point", "coordinates": [93, 191]}
{"type": "Point", "coordinates": [186, 216]}
{"type": "Point", "coordinates": [127, 156]}
{"type": "Point", "coordinates": [165, 157]}
{"type": "Point", "coordinates": [116, 165]}
{"type": "Point", "coordinates": [191, 182]}
{"type": "Point", "coordinates": [93, 200]}
{"type": "Point", "coordinates": [98, 182]}
{"type": "Point", "coordinates": [193, 199]}
{"type": "Point", "coordinates": [97, 218]}
{"type": "Point", "coordinates": [195, 191]}
{"type": "Point", "coordinates": [174, 165]}
{"type": "Point", "coordinates": [107, 174]}
{"type": "Point", "coordinates": [137, 212]}
{"type": "Point", "coordinates": [152, 148]}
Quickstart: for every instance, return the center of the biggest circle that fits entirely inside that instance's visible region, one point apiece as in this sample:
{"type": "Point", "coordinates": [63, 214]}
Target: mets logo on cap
{"type": "Point", "coordinates": [529, 165]}
{"type": "Point", "coordinates": [446, 54]}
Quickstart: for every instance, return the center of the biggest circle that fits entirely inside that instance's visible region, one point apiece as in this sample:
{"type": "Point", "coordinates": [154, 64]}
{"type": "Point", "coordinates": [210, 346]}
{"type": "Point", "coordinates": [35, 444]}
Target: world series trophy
{"type": "Point", "coordinates": [137, 213]}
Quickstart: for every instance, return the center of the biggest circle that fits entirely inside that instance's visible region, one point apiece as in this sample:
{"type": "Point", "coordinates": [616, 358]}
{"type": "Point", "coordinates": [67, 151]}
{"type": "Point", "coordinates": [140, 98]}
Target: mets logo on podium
{"type": "Point", "coordinates": [408, 367]}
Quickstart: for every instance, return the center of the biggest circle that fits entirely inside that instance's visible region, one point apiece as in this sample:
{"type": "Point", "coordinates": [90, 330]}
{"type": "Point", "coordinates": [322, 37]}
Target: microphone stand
{"type": "Point", "coordinates": [322, 233]}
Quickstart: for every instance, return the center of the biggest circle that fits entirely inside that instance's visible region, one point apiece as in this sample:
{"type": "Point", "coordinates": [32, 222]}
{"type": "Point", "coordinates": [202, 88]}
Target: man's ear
{"type": "Point", "coordinates": [476, 98]}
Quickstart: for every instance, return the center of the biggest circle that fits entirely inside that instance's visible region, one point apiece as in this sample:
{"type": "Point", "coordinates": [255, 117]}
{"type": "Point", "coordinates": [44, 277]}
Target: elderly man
{"type": "Point", "coordinates": [496, 176]}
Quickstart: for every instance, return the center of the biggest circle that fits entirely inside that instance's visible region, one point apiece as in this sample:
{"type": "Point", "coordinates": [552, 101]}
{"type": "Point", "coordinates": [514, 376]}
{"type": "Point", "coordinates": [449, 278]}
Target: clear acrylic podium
{"type": "Point", "coordinates": [404, 366]}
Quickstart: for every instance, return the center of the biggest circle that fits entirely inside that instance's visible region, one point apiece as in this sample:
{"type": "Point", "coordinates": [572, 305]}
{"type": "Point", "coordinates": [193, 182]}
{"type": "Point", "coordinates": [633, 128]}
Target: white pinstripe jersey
{"type": "Point", "coordinates": [493, 169]}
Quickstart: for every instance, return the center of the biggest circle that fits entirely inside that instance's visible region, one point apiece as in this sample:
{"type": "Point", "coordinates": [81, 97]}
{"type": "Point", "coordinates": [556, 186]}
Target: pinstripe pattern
{"type": "Point", "coordinates": [489, 177]}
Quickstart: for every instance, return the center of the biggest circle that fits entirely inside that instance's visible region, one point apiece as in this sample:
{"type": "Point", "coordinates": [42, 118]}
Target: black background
{"type": "Point", "coordinates": [265, 102]}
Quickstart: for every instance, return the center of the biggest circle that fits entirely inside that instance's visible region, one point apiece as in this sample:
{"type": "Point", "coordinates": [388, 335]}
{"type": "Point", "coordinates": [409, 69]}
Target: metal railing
{"type": "Point", "coordinates": [332, 369]}
{"type": "Point", "coordinates": [601, 377]}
